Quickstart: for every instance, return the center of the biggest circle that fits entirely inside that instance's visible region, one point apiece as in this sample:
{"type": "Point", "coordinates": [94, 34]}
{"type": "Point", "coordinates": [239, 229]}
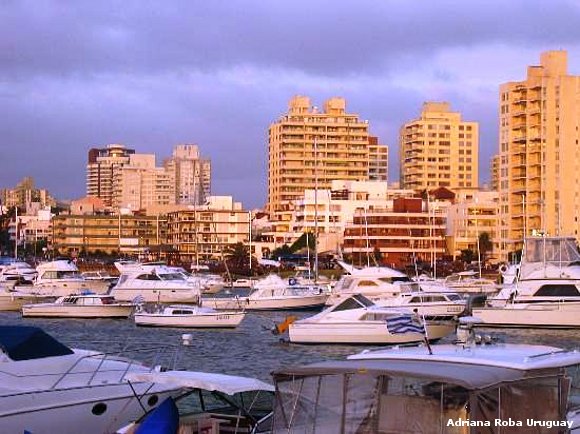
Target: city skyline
{"type": "Point", "coordinates": [73, 77]}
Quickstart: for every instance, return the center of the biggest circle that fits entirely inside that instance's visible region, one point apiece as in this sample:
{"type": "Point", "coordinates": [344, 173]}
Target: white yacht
{"type": "Point", "coordinates": [431, 305]}
{"type": "Point", "coordinates": [62, 277]}
{"type": "Point", "coordinates": [155, 283]}
{"type": "Point", "coordinates": [80, 306]}
{"type": "Point", "coordinates": [375, 286]}
{"type": "Point", "coordinates": [47, 387]}
{"type": "Point", "coordinates": [465, 282]}
{"type": "Point", "coordinates": [547, 291]}
{"type": "Point", "coordinates": [17, 272]}
{"type": "Point", "coordinates": [357, 320]}
{"type": "Point", "coordinates": [273, 293]}
{"type": "Point", "coordinates": [465, 388]}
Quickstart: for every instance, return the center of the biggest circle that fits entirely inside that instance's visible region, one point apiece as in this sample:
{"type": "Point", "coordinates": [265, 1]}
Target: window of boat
{"type": "Point", "coordinates": [69, 299]}
{"type": "Point", "coordinates": [347, 282]}
{"type": "Point", "coordinates": [348, 304]}
{"type": "Point", "coordinates": [107, 300]}
{"type": "Point", "coordinates": [171, 276]}
{"type": "Point", "coordinates": [454, 297]}
{"type": "Point", "coordinates": [367, 283]}
{"type": "Point", "coordinates": [386, 279]}
{"type": "Point", "coordinates": [416, 299]}
{"type": "Point", "coordinates": [573, 376]}
{"type": "Point", "coordinates": [401, 279]}
{"type": "Point", "coordinates": [67, 274]}
{"type": "Point", "coordinates": [182, 312]}
{"type": "Point", "coordinates": [148, 276]}
{"type": "Point", "coordinates": [557, 291]}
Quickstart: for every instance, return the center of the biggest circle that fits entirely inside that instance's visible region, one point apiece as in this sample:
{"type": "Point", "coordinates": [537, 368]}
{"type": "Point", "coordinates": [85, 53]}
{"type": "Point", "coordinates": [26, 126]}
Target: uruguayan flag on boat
{"type": "Point", "coordinates": [405, 324]}
{"type": "Point", "coordinates": [138, 299]}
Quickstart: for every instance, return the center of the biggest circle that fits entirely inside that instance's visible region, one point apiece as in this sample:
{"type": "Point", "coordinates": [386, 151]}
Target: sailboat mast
{"type": "Point", "coordinates": [315, 210]}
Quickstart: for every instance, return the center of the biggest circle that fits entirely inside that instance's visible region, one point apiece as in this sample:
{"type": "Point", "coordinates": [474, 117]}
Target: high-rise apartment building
{"type": "Point", "coordinates": [439, 149]}
{"type": "Point", "coordinates": [192, 174]}
{"type": "Point", "coordinates": [102, 168]}
{"type": "Point", "coordinates": [378, 160]}
{"type": "Point", "coordinates": [309, 148]}
{"type": "Point", "coordinates": [140, 184]}
{"type": "Point", "coordinates": [494, 173]}
{"type": "Point", "coordinates": [539, 153]}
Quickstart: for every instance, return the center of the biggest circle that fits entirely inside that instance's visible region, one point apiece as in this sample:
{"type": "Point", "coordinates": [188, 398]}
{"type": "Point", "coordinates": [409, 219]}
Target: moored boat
{"type": "Point", "coordinates": [188, 316]}
{"type": "Point", "coordinates": [357, 320]}
{"type": "Point", "coordinates": [466, 388]}
{"type": "Point", "coordinates": [80, 306]}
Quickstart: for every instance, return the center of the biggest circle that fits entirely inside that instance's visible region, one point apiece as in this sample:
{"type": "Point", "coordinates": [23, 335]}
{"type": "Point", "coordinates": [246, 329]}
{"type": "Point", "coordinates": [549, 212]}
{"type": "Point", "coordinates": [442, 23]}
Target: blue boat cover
{"type": "Point", "coordinates": [163, 420]}
{"type": "Point", "coordinates": [26, 343]}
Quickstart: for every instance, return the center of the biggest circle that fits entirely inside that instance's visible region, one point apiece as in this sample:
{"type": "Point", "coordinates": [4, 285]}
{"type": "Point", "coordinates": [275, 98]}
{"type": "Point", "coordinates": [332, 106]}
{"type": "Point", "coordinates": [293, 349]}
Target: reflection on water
{"type": "Point", "coordinates": [250, 350]}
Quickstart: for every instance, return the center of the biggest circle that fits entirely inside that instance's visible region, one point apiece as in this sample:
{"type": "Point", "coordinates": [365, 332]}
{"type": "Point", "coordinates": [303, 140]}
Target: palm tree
{"type": "Point", "coordinates": [485, 245]}
{"type": "Point", "coordinates": [237, 257]}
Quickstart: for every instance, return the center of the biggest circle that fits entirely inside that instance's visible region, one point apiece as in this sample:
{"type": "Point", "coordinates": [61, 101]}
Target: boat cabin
{"type": "Point", "coordinates": [423, 396]}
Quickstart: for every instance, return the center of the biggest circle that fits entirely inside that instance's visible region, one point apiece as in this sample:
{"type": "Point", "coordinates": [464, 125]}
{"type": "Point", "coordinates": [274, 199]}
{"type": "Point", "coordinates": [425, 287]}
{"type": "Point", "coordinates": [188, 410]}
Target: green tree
{"type": "Point", "coordinates": [300, 243]}
{"type": "Point", "coordinates": [284, 250]}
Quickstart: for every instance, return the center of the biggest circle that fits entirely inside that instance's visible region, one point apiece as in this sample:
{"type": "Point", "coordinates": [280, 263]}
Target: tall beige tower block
{"type": "Point", "coordinates": [539, 154]}
{"type": "Point", "coordinates": [310, 148]}
{"type": "Point", "coordinates": [439, 149]}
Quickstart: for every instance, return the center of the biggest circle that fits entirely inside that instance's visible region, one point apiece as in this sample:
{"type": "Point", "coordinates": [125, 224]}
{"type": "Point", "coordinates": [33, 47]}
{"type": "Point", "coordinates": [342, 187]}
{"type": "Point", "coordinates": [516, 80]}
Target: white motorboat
{"type": "Point", "coordinates": [17, 272]}
{"type": "Point", "coordinates": [188, 316]}
{"type": "Point", "coordinates": [547, 291]}
{"type": "Point", "coordinates": [47, 387]}
{"type": "Point", "coordinates": [155, 283]}
{"type": "Point", "coordinates": [80, 306]}
{"type": "Point", "coordinates": [275, 296]}
{"type": "Point", "coordinates": [12, 300]}
{"type": "Point", "coordinates": [375, 285]}
{"type": "Point", "coordinates": [210, 403]}
{"type": "Point", "coordinates": [466, 388]}
{"type": "Point", "coordinates": [357, 320]}
{"type": "Point", "coordinates": [466, 282]}
{"type": "Point", "coordinates": [61, 277]}
{"type": "Point", "coordinates": [431, 305]}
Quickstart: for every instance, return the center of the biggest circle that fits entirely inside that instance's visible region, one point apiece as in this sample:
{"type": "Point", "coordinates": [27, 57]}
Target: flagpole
{"type": "Point", "coordinates": [425, 335]}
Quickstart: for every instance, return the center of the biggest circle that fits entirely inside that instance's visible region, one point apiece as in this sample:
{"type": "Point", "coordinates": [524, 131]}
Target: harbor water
{"type": "Point", "coordinates": [249, 350]}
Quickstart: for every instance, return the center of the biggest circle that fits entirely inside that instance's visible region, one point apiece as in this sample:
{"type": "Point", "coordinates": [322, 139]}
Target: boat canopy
{"type": "Point", "coordinates": [467, 376]}
{"type": "Point", "coordinates": [27, 343]}
{"type": "Point", "coordinates": [228, 384]}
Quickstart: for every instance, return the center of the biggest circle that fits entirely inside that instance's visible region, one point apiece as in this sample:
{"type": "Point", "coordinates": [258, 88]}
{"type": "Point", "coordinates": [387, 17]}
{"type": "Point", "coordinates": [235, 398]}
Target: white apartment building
{"type": "Point", "coordinates": [139, 184]}
{"type": "Point", "coordinates": [192, 174]}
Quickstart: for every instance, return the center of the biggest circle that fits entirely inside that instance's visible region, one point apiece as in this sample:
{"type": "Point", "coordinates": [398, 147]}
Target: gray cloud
{"type": "Point", "coordinates": [74, 75]}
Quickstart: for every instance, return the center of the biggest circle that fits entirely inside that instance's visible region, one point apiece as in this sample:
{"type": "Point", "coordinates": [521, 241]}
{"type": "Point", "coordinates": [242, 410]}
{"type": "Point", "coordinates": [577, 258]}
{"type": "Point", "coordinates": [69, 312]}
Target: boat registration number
{"type": "Point", "coordinates": [223, 317]}
{"type": "Point", "coordinates": [454, 309]}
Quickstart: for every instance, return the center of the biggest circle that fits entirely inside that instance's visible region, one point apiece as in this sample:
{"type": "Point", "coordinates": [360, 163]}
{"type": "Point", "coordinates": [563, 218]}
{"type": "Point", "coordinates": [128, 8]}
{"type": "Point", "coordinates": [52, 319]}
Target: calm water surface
{"type": "Point", "coordinates": [250, 350]}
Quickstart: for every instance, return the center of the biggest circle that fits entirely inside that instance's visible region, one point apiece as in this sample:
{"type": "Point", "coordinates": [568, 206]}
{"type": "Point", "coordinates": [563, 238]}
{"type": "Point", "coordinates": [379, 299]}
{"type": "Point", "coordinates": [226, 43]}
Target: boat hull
{"type": "Point", "coordinates": [70, 411]}
{"type": "Point", "coordinates": [14, 302]}
{"type": "Point", "coordinates": [209, 320]}
{"type": "Point", "coordinates": [274, 303]}
{"type": "Point", "coordinates": [532, 315]}
{"type": "Point", "coordinates": [78, 311]}
{"type": "Point", "coordinates": [361, 332]}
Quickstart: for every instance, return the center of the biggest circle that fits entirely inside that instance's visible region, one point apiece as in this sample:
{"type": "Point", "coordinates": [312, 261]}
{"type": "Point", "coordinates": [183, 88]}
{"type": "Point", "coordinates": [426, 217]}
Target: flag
{"type": "Point", "coordinates": [139, 299]}
{"type": "Point", "coordinates": [405, 324]}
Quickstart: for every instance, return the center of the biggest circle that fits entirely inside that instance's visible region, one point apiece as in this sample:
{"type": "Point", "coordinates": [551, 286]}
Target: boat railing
{"type": "Point", "coordinates": [157, 355]}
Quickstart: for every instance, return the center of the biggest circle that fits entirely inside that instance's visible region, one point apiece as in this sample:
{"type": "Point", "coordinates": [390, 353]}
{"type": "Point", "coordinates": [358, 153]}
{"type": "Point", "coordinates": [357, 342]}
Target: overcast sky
{"type": "Point", "coordinates": [152, 74]}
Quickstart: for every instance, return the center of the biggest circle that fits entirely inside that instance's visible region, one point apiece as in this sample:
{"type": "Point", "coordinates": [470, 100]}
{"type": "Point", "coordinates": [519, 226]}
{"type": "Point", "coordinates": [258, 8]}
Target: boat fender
{"type": "Point", "coordinates": [292, 281]}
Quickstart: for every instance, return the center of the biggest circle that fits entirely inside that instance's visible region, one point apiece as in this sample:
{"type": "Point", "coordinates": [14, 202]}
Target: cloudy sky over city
{"type": "Point", "coordinates": [150, 75]}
